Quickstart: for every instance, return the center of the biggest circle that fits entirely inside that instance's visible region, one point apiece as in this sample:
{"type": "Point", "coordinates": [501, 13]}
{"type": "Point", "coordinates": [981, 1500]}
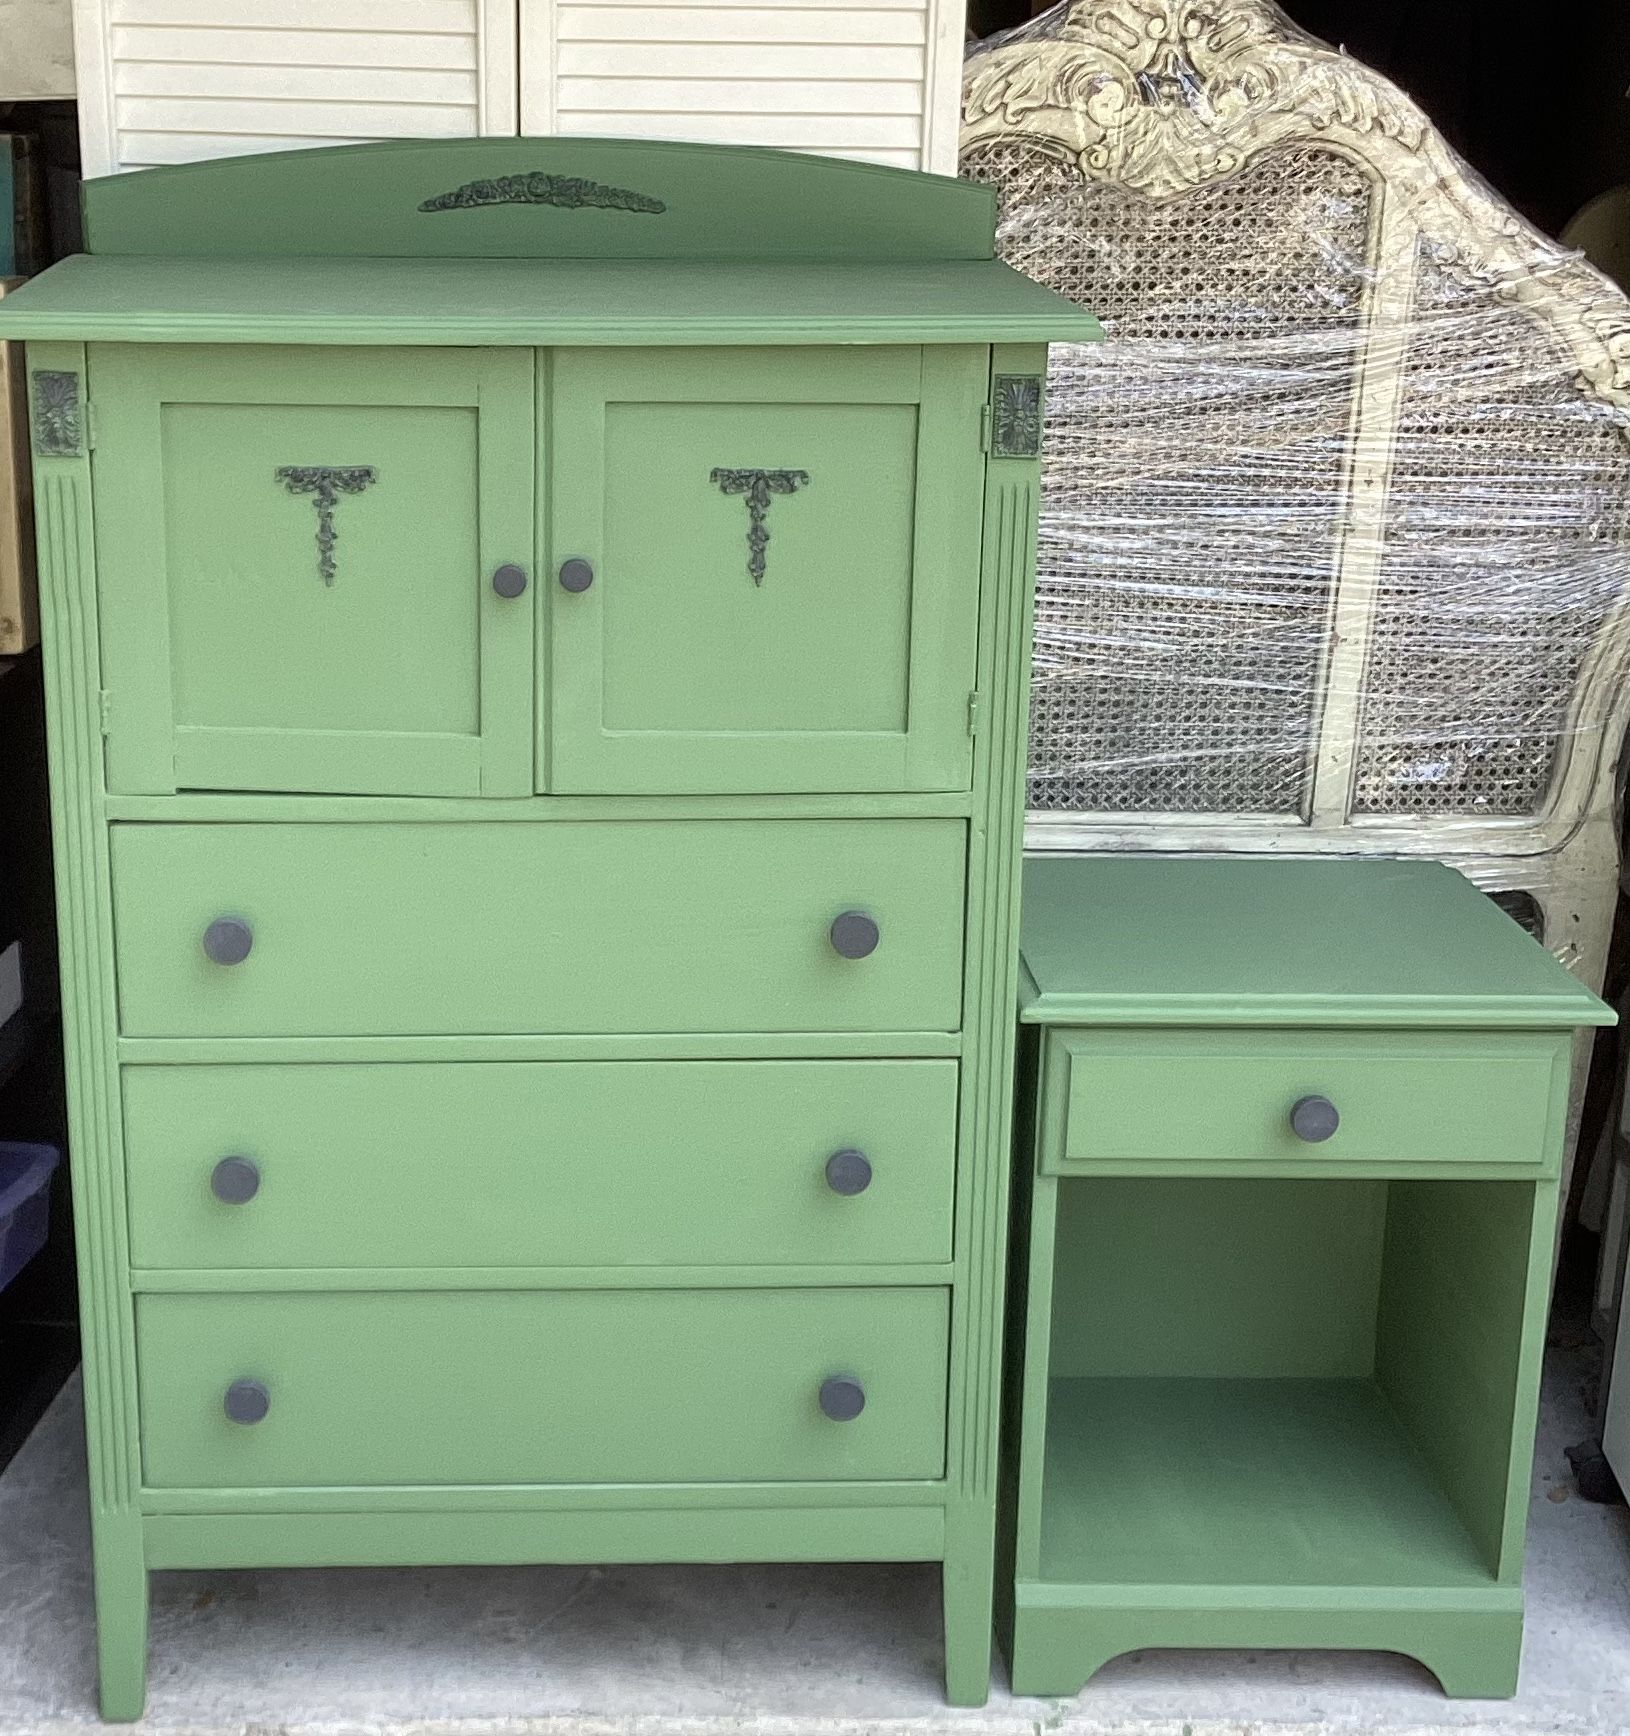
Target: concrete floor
{"type": "Point", "coordinates": [713, 1651]}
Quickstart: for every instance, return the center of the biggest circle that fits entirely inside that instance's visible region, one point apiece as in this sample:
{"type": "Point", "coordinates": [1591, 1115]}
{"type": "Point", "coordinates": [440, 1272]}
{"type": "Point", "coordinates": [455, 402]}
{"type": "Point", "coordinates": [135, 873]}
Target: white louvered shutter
{"type": "Point", "coordinates": [847, 78]}
{"type": "Point", "coordinates": [173, 81]}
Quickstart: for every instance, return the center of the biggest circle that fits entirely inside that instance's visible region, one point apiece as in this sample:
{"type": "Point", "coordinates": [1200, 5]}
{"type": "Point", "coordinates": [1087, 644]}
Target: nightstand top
{"type": "Point", "coordinates": [1161, 941]}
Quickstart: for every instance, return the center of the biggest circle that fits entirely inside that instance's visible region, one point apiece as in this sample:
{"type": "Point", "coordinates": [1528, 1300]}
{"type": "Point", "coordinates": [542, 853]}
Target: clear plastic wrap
{"type": "Point", "coordinates": [1336, 524]}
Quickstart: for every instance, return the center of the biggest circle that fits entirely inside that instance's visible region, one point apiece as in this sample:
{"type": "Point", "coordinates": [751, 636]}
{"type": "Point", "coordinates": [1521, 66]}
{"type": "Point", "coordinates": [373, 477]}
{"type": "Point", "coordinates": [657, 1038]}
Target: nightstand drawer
{"type": "Point", "coordinates": [565, 1386]}
{"type": "Point", "coordinates": [1308, 1097]}
{"type": "Point", "coordinates": [568, 1163]}
{"type": "Point", "coordinates": [555, 926]}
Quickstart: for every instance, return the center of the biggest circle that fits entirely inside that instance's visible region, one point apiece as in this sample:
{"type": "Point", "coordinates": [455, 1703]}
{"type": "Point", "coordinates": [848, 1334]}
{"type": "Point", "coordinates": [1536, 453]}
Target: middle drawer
{"type": "Point", "coordinates": [555, 1163]}
{"type": "Point", "coordinates": [602, 926]}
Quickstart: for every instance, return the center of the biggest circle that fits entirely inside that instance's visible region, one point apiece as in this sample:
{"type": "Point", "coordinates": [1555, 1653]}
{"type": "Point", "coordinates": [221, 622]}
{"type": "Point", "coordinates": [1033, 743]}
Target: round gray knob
{"type": "Point", "coordinates": [1314, 1119]}
{"type": "Point", "coordinates": [235, 1180]}
{"type": "Point", "coordinates": [843, 1398]}
{"type": "Point", "coordinates": [576, 575]}
{"type": "Point", "coordinates": [848, 1172]}
{"type": "Point", "coordinates": [854, 934]}
{"type": "Point", "coordinates": [227, 940]}
{"type": "Point", "coordinates": [247, 1401]}
{"type": "Point", "coordinates": [509, 580]}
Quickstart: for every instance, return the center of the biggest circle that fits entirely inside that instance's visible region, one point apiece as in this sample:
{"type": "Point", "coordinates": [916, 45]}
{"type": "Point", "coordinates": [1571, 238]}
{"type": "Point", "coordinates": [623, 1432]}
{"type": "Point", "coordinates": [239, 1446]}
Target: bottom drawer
{"type": "Point", "coordinates": [562, 1386]}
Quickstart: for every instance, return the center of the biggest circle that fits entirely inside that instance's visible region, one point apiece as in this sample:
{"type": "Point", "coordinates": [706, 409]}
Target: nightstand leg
{"type": "Point", "coordinates": [969, 1586]}
{"type": "Point", "coordinates": [121, 1617]}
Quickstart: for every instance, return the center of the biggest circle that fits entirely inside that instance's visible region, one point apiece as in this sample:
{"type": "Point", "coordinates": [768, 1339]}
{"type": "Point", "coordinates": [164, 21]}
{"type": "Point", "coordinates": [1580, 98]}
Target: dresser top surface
{"type": "Point", "coordinates": [1158, 941]}
{"type": "Point", "coordinates": [539, 241]}
{"type": "Point", "coordinates": [330, 300]}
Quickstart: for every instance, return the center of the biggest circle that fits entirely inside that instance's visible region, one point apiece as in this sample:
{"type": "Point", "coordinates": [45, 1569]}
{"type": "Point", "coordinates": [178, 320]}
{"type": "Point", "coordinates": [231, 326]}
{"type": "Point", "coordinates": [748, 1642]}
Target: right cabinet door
{"type": "Point", "coordinates": [763, 569]}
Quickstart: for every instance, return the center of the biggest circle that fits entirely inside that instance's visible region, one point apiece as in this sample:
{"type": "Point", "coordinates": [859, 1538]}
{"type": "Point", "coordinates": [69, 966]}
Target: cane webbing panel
{"type": "Point", "coordinates": [1193, 469]}
{"type": "Point", "coordinates": [1507, 544]}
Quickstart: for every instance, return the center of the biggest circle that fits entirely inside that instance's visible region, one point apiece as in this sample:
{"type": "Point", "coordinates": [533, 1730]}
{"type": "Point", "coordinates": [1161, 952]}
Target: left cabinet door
{"type": "Point", "coordinates": [315, 568]}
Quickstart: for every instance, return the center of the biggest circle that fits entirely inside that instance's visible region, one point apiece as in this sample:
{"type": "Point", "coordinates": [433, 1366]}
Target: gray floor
{"type": "Point", "coordinates": [711, 1651]}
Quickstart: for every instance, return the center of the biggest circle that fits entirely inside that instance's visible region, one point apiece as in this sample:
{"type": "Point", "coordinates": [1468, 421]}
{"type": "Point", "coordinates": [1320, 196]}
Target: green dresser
{"type": "Point", "coordinates": [537, 640]}
{"type": "Point", "coordinates": [1281, 1263]}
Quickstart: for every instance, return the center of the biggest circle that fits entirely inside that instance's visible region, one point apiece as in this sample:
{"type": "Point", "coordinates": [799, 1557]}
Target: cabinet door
{"type": "Point", "coordinates": [297, 551]}
{"type": "Point", "coordinates": [764, 569]}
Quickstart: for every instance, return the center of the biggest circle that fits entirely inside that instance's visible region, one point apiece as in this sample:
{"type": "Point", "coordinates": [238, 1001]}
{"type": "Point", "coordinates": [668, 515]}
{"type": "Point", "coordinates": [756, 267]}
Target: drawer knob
{"type": "Point", "coordinates": [509, 580]}
{"type": "Point", "coordinates": [235, 1180]}
{"type": "Point", "coordinates": [848, 1172]}
{"type": "Point", "coordinates": [854, 934]}
{"type": "Point", "coordinates": [247, 1401]}
{"type": "Point", "coordinates": [1314, 1119]}
{"type": "Point", "coordinates": [576, 575]}
{"type": "Point", "coordinates": [843, 1398]}
{"type": "Point", "coordinates": [227, 940]}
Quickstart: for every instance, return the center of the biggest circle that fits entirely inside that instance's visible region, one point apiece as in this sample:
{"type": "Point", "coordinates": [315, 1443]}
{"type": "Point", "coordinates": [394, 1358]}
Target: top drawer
{"type": "Point", "coordinates": [1170, 1098]}
{"type": "Point", "coordinates": [568, 926]}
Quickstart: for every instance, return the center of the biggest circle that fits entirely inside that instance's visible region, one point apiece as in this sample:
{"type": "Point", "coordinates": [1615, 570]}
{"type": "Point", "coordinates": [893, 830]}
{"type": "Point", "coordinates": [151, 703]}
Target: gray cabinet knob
{"type": "Point", "coordinates": [235, 1180]}
{"type": "Point", "coordinates": [854, 934]}
{"type": "Point", "coordinates": [227, 940]}
{"type": "Point", "coordinates": [509, 580]}
{"type": "Point", "coordinates": [843, 1398]}
{"type": "Point", "coordinates": [848, 1172]}
{"type": "Point", "coordinates": [1314, 1119]}
{"type": "Point", "coordinates": [247, 1401]}
{"type": "Point", "coordinates": [576, 575]}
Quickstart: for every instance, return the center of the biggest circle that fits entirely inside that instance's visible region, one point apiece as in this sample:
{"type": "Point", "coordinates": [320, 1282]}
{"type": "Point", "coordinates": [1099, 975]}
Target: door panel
{"type": "Point", "coordinates": [296, 554]}
{"type": "Point", "coordinates": [784, 554]}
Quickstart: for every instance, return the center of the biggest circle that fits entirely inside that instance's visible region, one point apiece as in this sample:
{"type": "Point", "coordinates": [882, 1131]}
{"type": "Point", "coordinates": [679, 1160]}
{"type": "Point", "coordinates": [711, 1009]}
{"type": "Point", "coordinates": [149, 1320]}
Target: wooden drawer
{"type": "Point", "coordinates": [560, 926]}
{"type": "Point", "coordinates": [566, 1386]}
{"type": "Point", "coordinates": [1214, 1097]}
{"type": "Point", "coordinates": [593, 1163]}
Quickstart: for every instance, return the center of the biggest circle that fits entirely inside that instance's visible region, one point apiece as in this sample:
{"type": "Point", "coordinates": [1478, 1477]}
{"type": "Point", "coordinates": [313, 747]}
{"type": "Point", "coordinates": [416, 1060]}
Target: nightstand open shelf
{"type": "Point", "coordinates": [1233, 1483]}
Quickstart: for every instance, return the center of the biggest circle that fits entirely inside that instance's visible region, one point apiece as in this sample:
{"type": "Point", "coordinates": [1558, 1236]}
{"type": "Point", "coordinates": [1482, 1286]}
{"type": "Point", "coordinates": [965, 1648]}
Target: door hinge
{"type": "Point", "coordinates": [986, 417]}
{"type": "Point", "coordinates": [90, 425]}
{"type": "Point", "coordinates": [973, 713]}
{"type": "Point", "coordinates": [104, 706]}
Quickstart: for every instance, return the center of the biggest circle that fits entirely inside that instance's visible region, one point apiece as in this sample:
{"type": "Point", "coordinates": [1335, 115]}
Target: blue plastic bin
{"type": "Point", "coordinates": [25, 1204]}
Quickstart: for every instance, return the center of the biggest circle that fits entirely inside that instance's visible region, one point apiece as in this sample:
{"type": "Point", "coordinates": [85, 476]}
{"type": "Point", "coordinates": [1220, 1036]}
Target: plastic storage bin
{"type": "Point", "coordinates": [25, 1204]}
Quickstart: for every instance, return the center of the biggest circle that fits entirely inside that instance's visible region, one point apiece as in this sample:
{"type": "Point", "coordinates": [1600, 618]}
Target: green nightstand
{"type": "Point", "coordinates": [1282, 1265]}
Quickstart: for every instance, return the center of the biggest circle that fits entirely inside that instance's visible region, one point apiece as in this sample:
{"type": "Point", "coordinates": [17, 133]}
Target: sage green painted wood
{"type": "Point", "coordinates": [1140, 1097]}
{"type": "Point", "coordinates": [716, 1385]}
{"type": "Point", "coordinates": [627, 303]}
{"type": "Point", "coordinates": [719, 202]}
{"type": "Point", "coordinates": [770, 1533]}
{"type": "Point", "coordinates": [1264, 1402]}
{"type": "Point", "coordinates": [1179, 942]}
{"type": "Point", "coordinates": [849, 663]}
{"type": "Point", "coordinates": [228, 660]}
{"type": "Point", "coordinates": [598, 927]}
{"type": "Point", "coordinates": [622, 930]}
{"type": "Point", "coordinates": [1471, 1641]}
{"type": "Point", "coordinates": [1461, 1336]}
{"type": "Point", "coordinates": [1207, 1279]}
{"type": "Point", "coordinates": [1223, 1482]}
{"type": "Point", "coordinates": [678, 1164]}
{"type": "Point", "coordinates": [66, 543]}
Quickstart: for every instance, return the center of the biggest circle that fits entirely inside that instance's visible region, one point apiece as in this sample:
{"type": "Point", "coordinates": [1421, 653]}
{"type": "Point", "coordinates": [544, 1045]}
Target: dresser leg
{"type": "Point", "coordinates": [1475, 1660]}
{"type": "Point", "coordinates": [969, 1584]}
{"type": "Point", "coordinates": [121, 1617]}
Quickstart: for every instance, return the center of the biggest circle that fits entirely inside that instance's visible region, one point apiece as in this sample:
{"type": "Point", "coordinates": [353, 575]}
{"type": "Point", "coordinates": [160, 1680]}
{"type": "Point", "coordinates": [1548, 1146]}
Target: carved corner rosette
{"type": "Point", "coordinates": [325, 483]}
{"type": "Point", "coordinates": [1016, 416]}
{"type": "Point", "coordinates": [565, 192]}
{"type": "Point", "coordinates": [59, 418]}
{"type": "Point", "coordinates": [758, 486]}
